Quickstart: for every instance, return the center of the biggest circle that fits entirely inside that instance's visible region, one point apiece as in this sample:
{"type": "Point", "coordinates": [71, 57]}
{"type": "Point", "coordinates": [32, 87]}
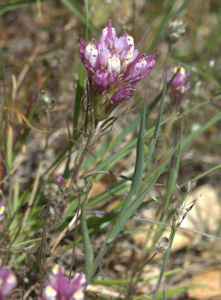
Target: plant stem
{"type": "Point", "coordinates": [89, 265]}
{"type": "Point", "coordinates": [165, 260]}
{"type": "Point", "coordinates": [82, 156]}
{"type": "Point", "coordinates": [75, 236]}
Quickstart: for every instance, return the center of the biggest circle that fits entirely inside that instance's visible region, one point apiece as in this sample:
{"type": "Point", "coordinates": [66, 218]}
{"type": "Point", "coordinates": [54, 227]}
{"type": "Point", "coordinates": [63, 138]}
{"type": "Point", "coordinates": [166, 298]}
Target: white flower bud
{"type": "Point", "coordinates": [91, 54]}
{"type": "Point", "coordinates": [113, 64]}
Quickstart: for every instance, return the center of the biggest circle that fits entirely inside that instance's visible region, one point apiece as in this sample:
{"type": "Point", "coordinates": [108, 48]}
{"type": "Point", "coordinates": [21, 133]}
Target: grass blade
{"type": "Point", "coordinates": [11, 6]}
{"type": "Point", "coordinates": [123, 218]}
{"type": "Point", "coordinates": [89, 256]}
{"type": "Point", "coordinates": [138, 172]}
{"type": "Point", "coordinates": [77, 11]}
{"type": "Point", "coordinates": [158, 124]}
{"type": "Point", "coordinates": [137, 178]}
{"type": "Point", "coordinates": [173, 173]}
{"type": "Point", "coordinates": [78, 98]}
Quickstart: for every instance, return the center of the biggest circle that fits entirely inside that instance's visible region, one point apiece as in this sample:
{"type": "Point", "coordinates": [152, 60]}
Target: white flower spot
{"type": "Point", "coordinates": [78, 295]}
{"type": "Point", "coordinates": [114, 64]}
{"type": "Point", "coordinates": [50, 293]}
{"type": "Point", "coordinates": [91, 54]}
{"type": "Point", "coordinates": [55, 269]}
{"type": "Point", "coordinates": [130, 42]}
{"type": "Point", "coordinates": [181, 69]}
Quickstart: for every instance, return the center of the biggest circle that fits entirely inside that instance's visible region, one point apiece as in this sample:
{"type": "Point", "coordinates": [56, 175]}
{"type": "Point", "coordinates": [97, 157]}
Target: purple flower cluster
{"type": "Point", "coordinates": [179, 85]}
{"type": "Point", "coordinates": [59, 287]}
{"type": "Point", "coordinates": [8, 282]}
{"type": "Point", "coordinates": [2, 211]}
{"type": "Point", "coordinates": [114, 67]}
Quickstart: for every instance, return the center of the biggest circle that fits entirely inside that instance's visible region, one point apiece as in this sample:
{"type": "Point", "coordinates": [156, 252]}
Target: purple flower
{"type": "Point", "coordinates": [59, 180]}
{"type": "Point", "coordinates": [8, 282]}
{"type": "Point", "coordinates": [179, 85]}
{"type": "Point", "coordinates": [114, 67]}
{"type": "Point", "coordinates": [59, 287]}
{"type": "Point", "coordinates": [2, 211]}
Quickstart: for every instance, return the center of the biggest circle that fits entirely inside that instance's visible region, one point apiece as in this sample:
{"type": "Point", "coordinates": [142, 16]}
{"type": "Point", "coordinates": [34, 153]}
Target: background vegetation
{"type": "Point", "coordinates": [42, 93]}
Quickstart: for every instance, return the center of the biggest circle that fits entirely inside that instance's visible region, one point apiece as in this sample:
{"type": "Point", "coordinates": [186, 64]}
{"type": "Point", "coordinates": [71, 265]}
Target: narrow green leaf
{"type": "Point", "coordinates": [112, 282]}
{"type": "Point", "coordinates": [164, 295]}
{"type": "Point", "coordinates": [174, 291]}
{"type": "Point", "coordinates": [77, 11]}
{"type": "Point", "coordinates": [78, 98]}
{"type": "Point", "coordinates": [11, 6]}
{"type": "Point", "coordinates": [121, 221]}
{"type": "Point", "coordinates": [137, 177]}
{"type": "Point", "coordinates": [87, 18]}
{"type": "Point", "coordinates": [181, 8]}
{"type": "Point", "coordinates": [173, 172]}
{"type": "Point", "coordinates": [138, 172]}
{"type": "Point", "coordinates": [89, 255]}
{"type": "Point", "coordinates": [153, 178]}
{"type": "Point", "coordinates": [158, 123]}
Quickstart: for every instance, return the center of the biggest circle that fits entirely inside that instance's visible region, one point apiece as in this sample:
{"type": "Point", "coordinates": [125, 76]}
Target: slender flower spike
{"type": "Point", "coordinates": [114, 67]}
{"type": "Point", "coordinates": [59, 287]}
{"type": "Point", "coordinates": [2, 211]}
{"type": "Point", "coordinates": [8, 282]}
{"type": "Point", "coordinates": [179, 85]}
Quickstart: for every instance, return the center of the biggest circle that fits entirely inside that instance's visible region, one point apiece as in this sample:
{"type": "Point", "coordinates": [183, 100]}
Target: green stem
{"type": "Point", "coordinates": [75, 236]}
{"type": "Point", "coordinates": [89, 255]}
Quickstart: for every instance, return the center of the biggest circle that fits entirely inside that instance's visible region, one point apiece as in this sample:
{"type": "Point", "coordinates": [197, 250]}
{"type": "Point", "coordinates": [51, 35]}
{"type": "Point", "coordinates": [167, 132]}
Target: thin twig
{"type": "Point", "coordinates": [86, 175]}
{"type": "Point", "coordinates": [149, 221]}
{"type": "Point", "coordinates": [25, 120]}
{"type": "Point", "coordinates": [137, 271]}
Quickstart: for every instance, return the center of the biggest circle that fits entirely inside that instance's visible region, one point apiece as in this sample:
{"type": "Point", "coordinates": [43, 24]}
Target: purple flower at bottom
{"type": "Point", "coordinates": [8, 282]}
{"type": "Point", "coordinates": [179, 85]}
{"type": "Point", "coordinates": [59, 287]}
{"type": "Point", "coordinates": [114, 67]}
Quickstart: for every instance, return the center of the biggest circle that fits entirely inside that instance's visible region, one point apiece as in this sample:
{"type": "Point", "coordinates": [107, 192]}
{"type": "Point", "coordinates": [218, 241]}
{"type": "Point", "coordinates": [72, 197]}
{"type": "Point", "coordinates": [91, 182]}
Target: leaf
{"type": "Point", "coordinates": [139, 166]}
{"type": "Point", "coordinates": [77, 11]}
{"type": "Point", "coordinates": [78, 98]}
{"type": "Point", "coordinates": [11, 6]}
